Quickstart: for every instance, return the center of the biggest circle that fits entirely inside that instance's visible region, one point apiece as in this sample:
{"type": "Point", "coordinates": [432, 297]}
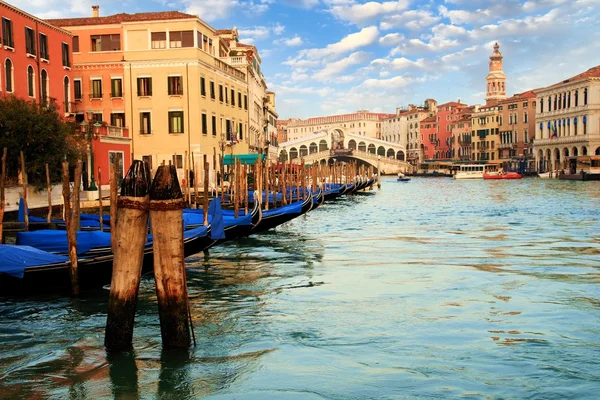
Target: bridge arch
{"type": "Point", "coordinates": [352, 144]}
{"type": "Point", "coordinates": [323, 145]}
{"type": "Point", "coordinates": [400, 155]}
{"type": "Point", "coordinates": [371, 148]}
{"type": "Point", "coordinates": [283, 156]}
{"type": "Point", "coordinates": [381, 151]}
{"type": "Point", "coordinates": [362, 147]}
{"type": "Point", "coordinates": [293, 153]}
{"type": "Point", "coordinates": [390, 153]}
{"type": "Point", "coordinates": [303, 151]}
{"type": "Point", "coordinates": [313, 148]}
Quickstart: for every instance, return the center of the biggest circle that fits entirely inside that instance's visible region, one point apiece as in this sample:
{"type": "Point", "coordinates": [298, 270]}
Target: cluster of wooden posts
{"type": "Point", "coordinates": [161, 201]}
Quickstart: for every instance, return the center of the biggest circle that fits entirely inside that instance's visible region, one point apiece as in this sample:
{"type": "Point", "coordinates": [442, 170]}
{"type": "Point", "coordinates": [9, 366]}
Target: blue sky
{"type": "Point", "coordinates": [325, 57]}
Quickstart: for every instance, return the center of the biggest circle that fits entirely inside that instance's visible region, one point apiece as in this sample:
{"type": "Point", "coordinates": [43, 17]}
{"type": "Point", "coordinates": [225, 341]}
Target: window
{"type": "Point", "coordinates": [240, 99]}
{"type": "Point", "coordinates": [97, 117]}
{"type": "Point", "coordinates": [30, 82]}
{"type": "Point", "coordinates": [204, 124]}
{"type": "Point", "coordinates": [220, 93]}
{"type": "Point", "coordinates": [145, 123]}
{"type": "Point", "coordinates": [159, 40]}
{"type": "Point", "coordinates": [116, 87]}
{"type": "Point", "coordinates": [30, 41]}
{"type": "Point", "coordinates": [212, 90]}
{"type": "Point", "coordinates": [233, 97]}
{"type": "Point", "coordinates": [245, 102]}
{"type": "Point", "coordinates": [106, 42]}
{"type": "Point", "coordinates": [96, 89]}
{"type": "Point", "coordinates": [175, 121]}
{"type": "Point", "coordinates": [202, 86]}
{"type": "Point", "coordinates": [585, 97]}
{"type": "Point", "coordinates": [576, 98]}
{"type": "Point", "coordinates": [116, 158]}
{"type": "Point", "coordinates": [525, 118]}
{"type": "Point", "coordinates": [44, 47]}
{"type": "Point", "coordinates": [148, 160]}
{"type": "Point", "coordinates": [9, 78]}
{"type": "Point", "coordinates": [65, 55]}
{"type": "Point", "coordinates": [7, 33]}
{"type": "Point", "coordinates": [175, 87]}
{"type": "Point", "coordinates": [44, 88]}
{"type": "Point", "coordinates": [177, 160]}
{"type": "Point", "coordinates": [228, 130]}
{"type": "Point", "coordinates": [181, 39]}
{"type": "Point", "coordinates": [226, 95]}
{"type": "Point", "coordinates": [77, 89]}
{"type": "Point", "coordinates": [117, 119]}
{"type": "Point", "coordinates": [75, 44]}
{"type": "Point", "coordinates": [214, 125]}
{"type": "Point", "coordinates": [144, 86]}
{"type": "Point", "coordinates": [240, 132]}
{"type": "Point", "coordinates": [67, 94]}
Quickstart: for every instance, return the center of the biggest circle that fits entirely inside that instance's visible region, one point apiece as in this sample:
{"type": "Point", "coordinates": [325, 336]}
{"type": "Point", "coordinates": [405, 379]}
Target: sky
{"type": "Point", "coordinates": [327, 57]}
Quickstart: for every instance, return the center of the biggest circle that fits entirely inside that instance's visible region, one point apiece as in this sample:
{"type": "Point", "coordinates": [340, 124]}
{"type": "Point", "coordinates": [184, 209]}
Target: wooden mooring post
{"type": "Point", "coordinates": [166, 209]}
{"type": "Point", "coordinates": [130, 236]}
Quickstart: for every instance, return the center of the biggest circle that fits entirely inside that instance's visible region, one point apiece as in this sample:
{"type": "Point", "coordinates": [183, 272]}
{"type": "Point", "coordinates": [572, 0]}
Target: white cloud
{"type": "Point", "coordinates": [295, 41]}
{"type": "Point", "coordinates": [46, 9]}
{"type": "Point", "coordinates": [361, 13]}
{"type": "Point", "coordinates": [391, 39]}
{"type": "Point", "coordinates": [334, 69]}
{"type": "Point", "coordinates": [414, 20]}
{"type": "Point", "coordinates": [351, 42]}
{"type": "Point", "coordinates": [259, 33]}
{"type": "Point", "coordinates": [404, 63]}
{"type": "Point", "coordinates": [278, 29]}
{"type": "Point", "coordinates": [212, 10]}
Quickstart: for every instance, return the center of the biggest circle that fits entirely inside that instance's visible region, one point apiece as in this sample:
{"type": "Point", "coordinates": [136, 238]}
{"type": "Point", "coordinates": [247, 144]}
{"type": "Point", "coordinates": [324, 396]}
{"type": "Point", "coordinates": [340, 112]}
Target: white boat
{"type": "Point", "coordinates": [545, 175]}
{"type": "Point", "coordinates": [474, 171]}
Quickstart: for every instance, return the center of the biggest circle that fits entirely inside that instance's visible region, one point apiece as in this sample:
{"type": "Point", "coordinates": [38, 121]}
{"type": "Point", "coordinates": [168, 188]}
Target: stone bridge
{"type": "Point", "coordinates": [322, 146]}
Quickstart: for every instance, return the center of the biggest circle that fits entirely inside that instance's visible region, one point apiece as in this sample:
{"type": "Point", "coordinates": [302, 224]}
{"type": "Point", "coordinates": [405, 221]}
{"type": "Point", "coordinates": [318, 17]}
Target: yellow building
{"type": "Point", "coordinates": [484, 134]}
{"type": "Point", "coordinates": [177, 94]}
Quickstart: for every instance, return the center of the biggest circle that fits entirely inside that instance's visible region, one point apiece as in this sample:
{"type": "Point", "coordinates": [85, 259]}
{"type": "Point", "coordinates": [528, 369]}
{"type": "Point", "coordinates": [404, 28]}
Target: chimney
{"type": "Point", "coordinates": [95, 11]}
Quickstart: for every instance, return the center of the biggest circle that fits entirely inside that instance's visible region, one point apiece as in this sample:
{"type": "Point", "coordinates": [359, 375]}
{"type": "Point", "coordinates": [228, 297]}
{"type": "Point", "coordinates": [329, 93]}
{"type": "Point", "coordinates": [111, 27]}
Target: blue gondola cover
{"type": "Point", "coordinates": [14, 259]}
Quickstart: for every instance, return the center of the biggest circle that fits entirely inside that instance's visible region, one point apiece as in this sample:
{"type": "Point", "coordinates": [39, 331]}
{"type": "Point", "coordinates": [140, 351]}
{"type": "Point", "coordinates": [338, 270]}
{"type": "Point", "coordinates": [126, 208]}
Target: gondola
{"type": "Point", "coordinates": [279, 215]}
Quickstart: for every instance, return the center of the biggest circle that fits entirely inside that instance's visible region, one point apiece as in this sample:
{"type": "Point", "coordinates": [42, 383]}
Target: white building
{"type": "Point", "coordinates": [567, 120]}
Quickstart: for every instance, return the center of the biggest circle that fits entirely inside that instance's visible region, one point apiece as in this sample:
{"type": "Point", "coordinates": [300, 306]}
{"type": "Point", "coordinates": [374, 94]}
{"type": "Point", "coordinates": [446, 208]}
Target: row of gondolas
{"type": "Point", "coordinates": [39, 261]}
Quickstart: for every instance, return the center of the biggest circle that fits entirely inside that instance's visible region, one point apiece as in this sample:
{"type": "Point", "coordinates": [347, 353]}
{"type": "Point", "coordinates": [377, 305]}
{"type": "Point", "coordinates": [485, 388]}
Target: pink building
{"type": "Point", "coordinates": [35, 59]}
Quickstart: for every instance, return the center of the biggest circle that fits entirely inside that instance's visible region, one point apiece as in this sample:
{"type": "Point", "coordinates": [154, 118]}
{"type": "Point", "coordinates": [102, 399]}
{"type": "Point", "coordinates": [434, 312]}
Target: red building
{"type": "Point", "coordinates": [35, 59]}
{"type": "Point", "coordinates": [428, 134]}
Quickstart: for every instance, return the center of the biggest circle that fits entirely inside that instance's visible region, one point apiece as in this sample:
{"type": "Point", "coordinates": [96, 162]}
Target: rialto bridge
{"type": "Point", "coordinates": [322, 146]}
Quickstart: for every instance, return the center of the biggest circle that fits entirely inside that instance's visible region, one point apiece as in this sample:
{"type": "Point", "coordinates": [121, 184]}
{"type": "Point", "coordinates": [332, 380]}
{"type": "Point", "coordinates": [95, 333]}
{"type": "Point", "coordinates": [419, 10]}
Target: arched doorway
{"type": "Point", "coordinates": [293, 153]}
{"type": "Point", "coordinates": [400, 155]}
{"type": "Point", "coordinates": [597, 152]}
{"type": "Point", "coordinates": [575, 151]}
{"type": "Point", "coordinates": [556, 161]}
{"type": "Point", "coordinates": [371, 149]}
{"type": "Point", "coordinates": [362, 147]}
{"type": "Point", "coordinates": [352, 144]}
{"type": "Point", "coordinates": [381, 151]}
{"type": "Point", "coordinates": [323, 145]}
{"type": "Point", "coordinates": [584, 151]}
{"type": "Point", "coordinates": [337, 139]}
{"type": "Point", "coordinates": [303, 151]}
{"type": "Point", "coordinates": [312, 148]}
{"type": "Point", "coordinates": [390, 153]}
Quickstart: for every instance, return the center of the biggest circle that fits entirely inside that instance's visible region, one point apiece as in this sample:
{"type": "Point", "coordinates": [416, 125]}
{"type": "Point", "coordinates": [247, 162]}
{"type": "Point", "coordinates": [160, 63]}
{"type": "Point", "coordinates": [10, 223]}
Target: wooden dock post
{"type": "Point", "coordinates": [130, 235]}
{"type": "Point", "coordinates": [100, 205]}
{"type": "Point", "coordinates": [166, 209]}
{"type": "Point", "coordinates": [113, 183]}
{"type": "Point", "coordinates": [71, 231]}
{"type": "Point", "coordinates": [49, 187]}
{"type": "Point", "coordinates": [24, 182]}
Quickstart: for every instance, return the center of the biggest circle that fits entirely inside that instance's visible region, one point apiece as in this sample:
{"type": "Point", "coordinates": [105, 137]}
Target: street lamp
{"type": "Point", "coordinates": [91, 132]}
{"type": "Point", "coordinates": [222, 148]}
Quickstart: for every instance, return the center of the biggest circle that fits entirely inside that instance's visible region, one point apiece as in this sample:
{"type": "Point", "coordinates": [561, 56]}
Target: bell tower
{"type": "Point", "coordinates": [496, 80]}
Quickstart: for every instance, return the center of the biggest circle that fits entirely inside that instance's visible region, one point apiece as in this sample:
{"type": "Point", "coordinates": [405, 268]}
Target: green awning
{"type": "Point", "coordinates": [248, 159]}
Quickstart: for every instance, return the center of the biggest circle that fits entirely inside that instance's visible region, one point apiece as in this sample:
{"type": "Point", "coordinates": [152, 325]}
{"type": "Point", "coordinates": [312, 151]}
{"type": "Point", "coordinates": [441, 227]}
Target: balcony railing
{"type": "Point", "coordinates": [113, 131]}
{"type": "Point", "coordinates": [229, 70]}
{"type": "Point", "coordinates": [237, 61]}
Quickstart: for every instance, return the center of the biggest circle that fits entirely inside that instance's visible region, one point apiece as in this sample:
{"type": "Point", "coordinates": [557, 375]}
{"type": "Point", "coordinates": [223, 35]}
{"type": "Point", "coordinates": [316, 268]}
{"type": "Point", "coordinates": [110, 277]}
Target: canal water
{"type": "Point", "coordinates": [433, 288]}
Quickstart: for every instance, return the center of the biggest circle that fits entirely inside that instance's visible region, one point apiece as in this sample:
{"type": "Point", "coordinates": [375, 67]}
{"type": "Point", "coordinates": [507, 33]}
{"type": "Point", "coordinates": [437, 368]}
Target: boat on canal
{"type": "Point", "coordinates": [474, 171]}
{"type": "Point", "coordinates": [581, 168]}
{"type": "Point", "coordinates": [502, 175]}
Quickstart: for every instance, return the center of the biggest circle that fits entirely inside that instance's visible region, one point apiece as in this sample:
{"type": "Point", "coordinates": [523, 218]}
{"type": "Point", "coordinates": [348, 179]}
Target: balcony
{"type": "Point", "coordinates": [228, 69]}
{"type": "Point", "coordinates": [113, 131]}
{"type": "Point", "coordinates": [237, 61]}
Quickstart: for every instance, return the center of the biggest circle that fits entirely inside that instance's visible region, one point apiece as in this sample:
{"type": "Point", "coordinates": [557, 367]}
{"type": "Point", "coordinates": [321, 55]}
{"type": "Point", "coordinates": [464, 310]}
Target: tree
{"type": "Point", "coordinates": [42, 134]}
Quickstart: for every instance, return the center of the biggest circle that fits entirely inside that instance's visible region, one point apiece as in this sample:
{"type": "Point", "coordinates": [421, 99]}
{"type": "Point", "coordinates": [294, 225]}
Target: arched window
{"type": "Point", "coordinates": [549, 103]}
{"type": "Point", "coordinates": [569, 100]}
{"type": "Point", "coordinates": [541, 105]}
{"type": "Point", "coordinates": [576, 98]}
{"type": "Point", "coordinates": [585, 96]}
{"type": "Point", "coordinates": [9, 75]}
{"type": "Point", "coordinates": [67, 94]}
{"type": "Point", "coordinates": [30, 82]}
{"type": "Point", "coordinates": [44, 91]}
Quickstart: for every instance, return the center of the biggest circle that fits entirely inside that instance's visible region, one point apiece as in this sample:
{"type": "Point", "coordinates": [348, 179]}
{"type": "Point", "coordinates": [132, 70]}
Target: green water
{"type": "Point", "coordinates": [428, 289]}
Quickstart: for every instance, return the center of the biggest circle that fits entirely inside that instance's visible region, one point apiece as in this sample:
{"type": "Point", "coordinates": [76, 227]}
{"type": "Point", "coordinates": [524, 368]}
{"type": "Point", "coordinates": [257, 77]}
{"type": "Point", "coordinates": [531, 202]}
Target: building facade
{"type": "Point", "coordinates": [517, 124]}
{"type": "Point", "coordinates": [460, 143]}
{"type": "Point", "coordinates": [485, 134]}
{"type": "Point", "coordinates": [161, 75]}
{"type": "Point", "coordinates": [415, 146]}
{"type": "Point", "coordinates": [361, 123]}
{"type": "Point", "coordinates": [395, 128]}
{"type": "Point", "coordinates": [567, 120]}
{"type": "Point", "coordinates": [35, 59]}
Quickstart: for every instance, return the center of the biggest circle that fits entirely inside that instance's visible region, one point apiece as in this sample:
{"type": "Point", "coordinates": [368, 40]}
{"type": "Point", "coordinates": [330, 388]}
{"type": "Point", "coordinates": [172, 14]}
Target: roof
{"type": "Point", "coordinates": [519, 96]}
{"type": "Point", "coordinates": [593, 72]}
{"type": "Point", "coordinates": [120, 18]}
{"type": "Point", "coordinates": [430, 119]}
{"type": "Point", "coordinates": [223, 31]}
